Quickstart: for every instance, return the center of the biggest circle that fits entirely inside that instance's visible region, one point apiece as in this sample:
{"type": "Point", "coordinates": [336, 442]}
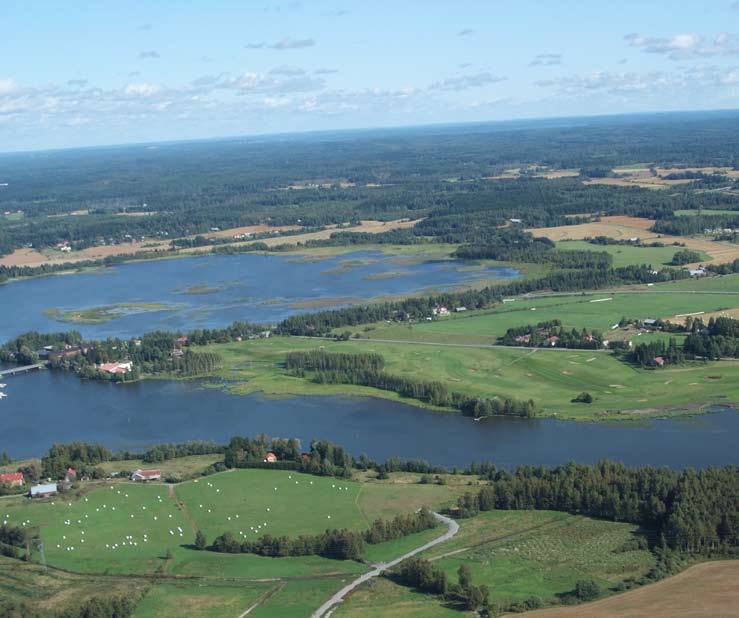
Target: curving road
{"type": "Point", "coordinates": [452, 529]}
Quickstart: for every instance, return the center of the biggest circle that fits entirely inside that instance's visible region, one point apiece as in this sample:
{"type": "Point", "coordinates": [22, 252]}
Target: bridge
{"type": "Point", "coordinates": [23, 369]}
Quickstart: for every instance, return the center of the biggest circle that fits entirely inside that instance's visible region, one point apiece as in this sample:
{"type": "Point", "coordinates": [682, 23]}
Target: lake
{"type": "Point", "coordinates": [214, 291]}
{"type": "Point", "coordinates": [46, 407]}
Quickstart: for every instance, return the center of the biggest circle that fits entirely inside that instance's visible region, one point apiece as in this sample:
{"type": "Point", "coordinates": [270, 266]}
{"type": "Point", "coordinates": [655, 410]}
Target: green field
{"type": "Point", "coordinates": [626, 255]}
{"type": "Point", "coordinates": [517, 554]}
{"type": "Point", "coordinates": [251, 503]}
{"type": "Point", "coordinates": [211, 600]}
{"type": "Point", "coordinates": [552, 378]}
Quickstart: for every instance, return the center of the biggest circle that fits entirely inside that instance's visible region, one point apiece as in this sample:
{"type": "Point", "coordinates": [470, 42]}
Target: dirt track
{"type": "Point", "coordinates": [706, 590]}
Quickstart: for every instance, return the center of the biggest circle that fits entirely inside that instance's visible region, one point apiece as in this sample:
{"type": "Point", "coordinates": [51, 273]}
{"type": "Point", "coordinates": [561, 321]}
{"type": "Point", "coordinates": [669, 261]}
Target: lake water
{"type": "Point", "coordinates": [214, 291]}
{"type": "Point", "coordinates": [46, 407]}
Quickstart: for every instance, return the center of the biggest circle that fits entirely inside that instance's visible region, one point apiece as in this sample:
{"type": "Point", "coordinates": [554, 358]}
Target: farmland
{"type": "Point", "coordinates": [124, 529]}
{"type": "Point", "coordinates": [514, 552]}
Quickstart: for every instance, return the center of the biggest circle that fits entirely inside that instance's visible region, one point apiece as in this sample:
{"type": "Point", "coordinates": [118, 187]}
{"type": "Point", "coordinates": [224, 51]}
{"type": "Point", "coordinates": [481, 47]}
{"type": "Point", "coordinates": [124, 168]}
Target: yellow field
{"type": "Point", "coordinates": [624, 228]}
{"type": "Point", "coordinates": [705, 590]}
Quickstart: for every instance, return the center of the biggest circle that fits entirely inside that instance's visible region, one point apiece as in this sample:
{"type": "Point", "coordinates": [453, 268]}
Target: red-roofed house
{"type": "Point", "coordinates": [71, 475]}
{"type": "Point", "coordinates": [123, 367]}
{"type": "Point", "coordinates": [270, 457]}
{"type": "Point", "coordinates": [13, 479]}
{"type": "Point", "coordinates": [659, 361]}
{"type": "Point", "coordinates": [146, 475]}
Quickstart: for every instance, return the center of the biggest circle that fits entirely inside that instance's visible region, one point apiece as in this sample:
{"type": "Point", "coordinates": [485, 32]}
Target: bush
{"type": "Point", "coordinates": [583, 398]}
{"type": "Point", "coordinates": [587, 590]}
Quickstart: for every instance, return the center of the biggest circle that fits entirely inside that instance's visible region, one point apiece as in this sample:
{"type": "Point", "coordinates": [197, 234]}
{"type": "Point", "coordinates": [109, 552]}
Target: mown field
{"type": "Point", "coordinates": [625, 255]}
{"type": "Point", "coordinates": [518, 554]}
{"type": "Point", "coordinates": [551, 377]}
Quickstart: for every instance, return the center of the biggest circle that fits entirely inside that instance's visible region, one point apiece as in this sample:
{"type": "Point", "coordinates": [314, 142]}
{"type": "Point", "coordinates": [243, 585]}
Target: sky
{"type": "Point", "coordinates": [87, 73]}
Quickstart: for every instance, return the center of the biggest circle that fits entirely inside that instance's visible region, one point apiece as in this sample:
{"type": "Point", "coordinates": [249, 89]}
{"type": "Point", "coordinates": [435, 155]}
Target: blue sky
{"type": "Point", "coordinates": [89, 73]}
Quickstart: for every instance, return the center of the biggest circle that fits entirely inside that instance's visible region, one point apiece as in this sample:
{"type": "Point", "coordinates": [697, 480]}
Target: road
{"type": "Point", "coordinates": [437, 344]}
{"type": "Point", "coordinates": [452, 529]}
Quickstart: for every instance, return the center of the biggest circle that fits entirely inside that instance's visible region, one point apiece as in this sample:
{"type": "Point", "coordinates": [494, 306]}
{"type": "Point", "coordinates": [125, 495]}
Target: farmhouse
{"type": "Point", "coordinates": [12, 479]}
{"type": "Point", "coordinates": [43, 491]}
{"type": "Point", "coordinates": [440, 310]}
{"type": "Point", "coordinates": [146, 475]}
{"type": "Point", "coordinates": [113, 368]}
{"type": "Point", "coordinates": [659, 361]}
{"type": "Point", "coordinates": [270, 457]}
{"type": "Point", "coordinates": [71, 475]}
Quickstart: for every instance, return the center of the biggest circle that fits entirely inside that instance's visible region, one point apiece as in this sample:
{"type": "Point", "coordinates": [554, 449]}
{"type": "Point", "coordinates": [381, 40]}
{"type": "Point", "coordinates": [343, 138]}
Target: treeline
{"type": "Point", "coordinates": [552, 334]}
{"type": "Point", "coordinates": [81, 456]}
{"type": "Point", "coordinates": [720, 339]}
{"type": "Point", "coordinates": [320, 360]}
{"type": "Point", "coordinates": [698, 224]}
{"type": "Point", "coordinates": [323, 322]}
{"type": "Point", "coordinates": [422, 575]}
{"type": "Point", "coordinates": [165, 452]}
{"type": "Point", "coordinates": [366, 370]}
{"type": "Point", "coordinates": [336, 544]}
{"type": "Point", "coordinates": [323, 458]}
{"type": "Point", "coordinates": [691, 511]}
{"type": "Point", "coordinates": [537, 253]}
{"type": "Point", "coordinates": [657, 353]}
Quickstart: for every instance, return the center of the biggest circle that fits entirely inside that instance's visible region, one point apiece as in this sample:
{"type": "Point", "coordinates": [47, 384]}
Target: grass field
{"type": "Point", "coordinates": [626, 255]}
{"type": "Point", "coordinates": [552, 378]}
{"type": "Point", "coordinates": [517, 554]}
{"type": "Point", "coordinates": [707, 589]}
{"type": "Point", "coordinates": [204, 600]}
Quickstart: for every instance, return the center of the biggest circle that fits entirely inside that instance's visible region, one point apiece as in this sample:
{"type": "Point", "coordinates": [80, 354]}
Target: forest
{"type": "Point", "coordinates": [187, 189]}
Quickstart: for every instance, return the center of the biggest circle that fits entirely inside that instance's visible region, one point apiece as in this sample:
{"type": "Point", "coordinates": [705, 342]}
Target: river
{"type": "Point", "coordinates": [214, 291]}
{"type": "Point", "coordinates": [46, 407]}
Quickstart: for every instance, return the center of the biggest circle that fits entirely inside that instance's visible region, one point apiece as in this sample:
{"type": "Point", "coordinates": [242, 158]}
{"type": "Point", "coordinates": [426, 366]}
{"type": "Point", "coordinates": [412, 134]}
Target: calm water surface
{"type": "Point", "coordinates": [258, 288]}
{"type": "Point", "coordinates": [46, 407]}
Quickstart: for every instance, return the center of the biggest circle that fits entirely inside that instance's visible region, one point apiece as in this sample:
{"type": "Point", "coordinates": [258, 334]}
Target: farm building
{"type": "Point", "coordinates": [146, 475]}
{"type": "Point", "coordinates": [42, 491]}
{"type": "Point", "coordinates": [270, 457]}
{"type": "Point", "coordinates": [12, 479]}
{"type": "Point", "coordinates": [123, 367]}
{"type": "Point", "coordinates": [70, 475]}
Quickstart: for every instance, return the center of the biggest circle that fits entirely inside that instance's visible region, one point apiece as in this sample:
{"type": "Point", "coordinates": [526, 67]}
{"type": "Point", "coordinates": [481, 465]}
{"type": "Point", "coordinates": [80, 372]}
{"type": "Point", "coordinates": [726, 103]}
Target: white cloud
{"type": "Point", "coordinates": [149, 55]}
{"type": "Point", "coordinates": [143, 90]}
{"type": "Point", "coordinates": [464, 82]}
{"type": "Point", "coordinates": [686, 46]}
{"type": "Point", "coordinates": [465, 32]}
{"type": "Point", "coordinates": [546, 60]}
{"type": "Point", "coordinates": [8, 86]}
{"type": "Point", "coordinates": [283, 44]}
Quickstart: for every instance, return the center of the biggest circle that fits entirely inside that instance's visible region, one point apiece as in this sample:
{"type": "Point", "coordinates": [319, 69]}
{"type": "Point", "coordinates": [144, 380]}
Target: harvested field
{"type": "Point", "coordinates": [33, 257]}
{"type": "Point", "coordinates": [624, 228]}
{"type": "Point", "coordinates": [702, 591]}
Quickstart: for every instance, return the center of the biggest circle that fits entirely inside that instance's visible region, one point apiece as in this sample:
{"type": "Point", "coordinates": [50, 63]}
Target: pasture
{"type": "Point", "coordinates": [251, 503]}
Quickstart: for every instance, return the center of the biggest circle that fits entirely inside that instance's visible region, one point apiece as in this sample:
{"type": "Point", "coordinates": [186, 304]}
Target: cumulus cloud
{"type": "Point", "coordinates": [464, 82]}
{"type": "Point", "coordinates": [546, 60]}
{"type": "Point", "coordinates": [8, 86]}
{"type": "Point", "coordinates": [149, 55]}
{"type": "Point", "coordinates": [141, 90]}
{"type": "Point", "coordinates": [686, 46]}
{"type": "Point", "coordinates": [465, 32]}
{"type": "Point", "coordinates": [283, 44]}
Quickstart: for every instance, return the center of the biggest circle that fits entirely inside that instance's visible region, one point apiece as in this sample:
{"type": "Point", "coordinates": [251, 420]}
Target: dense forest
{"type": "Point", "coordinates": [691, 511]}
{"type": "Point", "coordinates": [188, 189]}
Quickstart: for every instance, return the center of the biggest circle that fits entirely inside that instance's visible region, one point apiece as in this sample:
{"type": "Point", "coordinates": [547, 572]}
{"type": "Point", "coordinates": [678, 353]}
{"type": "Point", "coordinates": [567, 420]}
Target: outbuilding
{"type": "Point", "coordinates": [43, 491]}
{"type": "Point", "coordinates": [146, 475]}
